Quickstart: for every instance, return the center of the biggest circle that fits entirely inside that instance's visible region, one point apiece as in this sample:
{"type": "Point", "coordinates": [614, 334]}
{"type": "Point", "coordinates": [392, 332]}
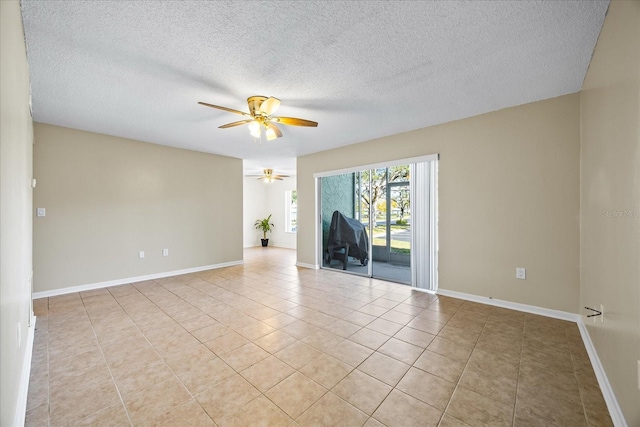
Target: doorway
{"type": "Point", "coordinates": [380, 221]}
{"type": "Point", "coordinates": [385, 195]}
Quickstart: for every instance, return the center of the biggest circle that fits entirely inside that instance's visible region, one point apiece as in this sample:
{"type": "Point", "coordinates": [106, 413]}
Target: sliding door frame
{"type": "Point", "coordinates": [433, 200]}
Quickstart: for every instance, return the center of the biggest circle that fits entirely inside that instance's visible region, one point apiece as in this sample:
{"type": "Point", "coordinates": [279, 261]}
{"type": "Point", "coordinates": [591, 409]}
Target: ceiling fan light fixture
{"type": "Point", "coordinates": [271, 135]}
{"type": "Point", "coordinates": [254, 129]}
{"type": "Point", "coordinates": [260, 116]}
{"type": "Point", "coordinates": [268, 176]}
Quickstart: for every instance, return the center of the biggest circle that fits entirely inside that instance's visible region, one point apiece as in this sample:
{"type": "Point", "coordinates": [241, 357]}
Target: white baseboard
{"type": "Point", "coordinates": [271, 245]}
{"type": "Point", "coordinates": [305, 265]}
{"type": "Point", "coordinates": [557, 314]}
{"type": "Point", "coordinates": [282, 247]}
{"type": "Point", "coordinates": [125, 281]}
{"type": "Point", "coordinates": [23, 392]}
{"type": "Point", "coordinates": [607, 392]}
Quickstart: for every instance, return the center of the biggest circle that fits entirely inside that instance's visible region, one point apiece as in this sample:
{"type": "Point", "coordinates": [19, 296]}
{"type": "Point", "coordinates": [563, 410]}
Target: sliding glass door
{"type": "Point", "coordinates": [386, 194]}
{"type": "Point", "coordinates": [345, 240]}
{"type": "Point", "coordinates": [368, 222]}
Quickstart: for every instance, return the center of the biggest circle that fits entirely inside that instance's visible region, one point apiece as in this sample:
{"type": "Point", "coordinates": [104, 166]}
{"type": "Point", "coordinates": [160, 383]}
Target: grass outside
{"type": "Point", "coordinates": [396, 245]}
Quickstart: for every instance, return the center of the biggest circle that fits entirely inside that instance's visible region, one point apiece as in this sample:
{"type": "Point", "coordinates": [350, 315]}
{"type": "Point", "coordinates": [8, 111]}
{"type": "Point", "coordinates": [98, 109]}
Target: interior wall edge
{"type": "Point", "coordinates": [16, 202]}
{"type": "Point", "coordinates": [25, 376]}
{"type": "Point", "coordinates": [607, 391]}
{"type": "Point", "coordinates": [527, 308]}
{"type": "Point", "coordinates": [129, 280]}
{"type": "Point", "coordinates": [610, 202]}
{"type": "Point", "coordinates": [603, 381]}
{"type": "Point", "coordinates": [307, 265]}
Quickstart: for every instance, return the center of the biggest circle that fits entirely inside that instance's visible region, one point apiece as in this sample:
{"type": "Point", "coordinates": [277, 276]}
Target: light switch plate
{"type": "Point", "coordinates": [165, 252]}
{"type": "Point", "coordinates": [41, 212]}
{"type": "Point", "coordinates": [521, 273]}
{"type": "Point", "coordinates": [141, 254]}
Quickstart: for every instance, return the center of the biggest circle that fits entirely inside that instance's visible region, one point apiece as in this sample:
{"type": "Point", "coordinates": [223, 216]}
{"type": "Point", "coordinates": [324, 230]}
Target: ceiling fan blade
{"type": "Point", "coordinates": [230, 125]}
{"type": "Point", "coordinates": [269, 106]}
{"type": "Point", "coordinates": [231, 110]}
{"type": "Point", "coordinates": [276, 132]}
{"type": "Point", "coordinates": [292, 121]}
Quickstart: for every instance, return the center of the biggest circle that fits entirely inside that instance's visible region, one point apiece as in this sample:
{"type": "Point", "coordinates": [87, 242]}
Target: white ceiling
{"type": "Point", "coordinates": [363, 70]}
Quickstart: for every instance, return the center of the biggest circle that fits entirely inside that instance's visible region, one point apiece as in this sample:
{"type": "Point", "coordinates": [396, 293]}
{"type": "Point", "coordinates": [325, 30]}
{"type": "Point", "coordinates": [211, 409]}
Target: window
{"type": "Point", "coordinates": [290, 211]}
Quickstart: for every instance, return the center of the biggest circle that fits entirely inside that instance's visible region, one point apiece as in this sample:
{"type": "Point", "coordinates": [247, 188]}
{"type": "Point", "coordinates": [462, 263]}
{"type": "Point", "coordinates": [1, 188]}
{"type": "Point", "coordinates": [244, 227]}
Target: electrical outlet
{"type": "Point", "coordinates": [141, 254]}
{"type": "Point", "coordinates": [41, 212]}
{"type": "Point", "coordinates": [165, 252]}
{"type": "Point", "coordinates": [521, 273]}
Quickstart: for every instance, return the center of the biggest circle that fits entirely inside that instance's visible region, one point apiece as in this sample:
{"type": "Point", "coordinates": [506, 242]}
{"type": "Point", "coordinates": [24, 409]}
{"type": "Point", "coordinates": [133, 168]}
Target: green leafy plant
{"type": "Point", "coordinates": [264, 225]}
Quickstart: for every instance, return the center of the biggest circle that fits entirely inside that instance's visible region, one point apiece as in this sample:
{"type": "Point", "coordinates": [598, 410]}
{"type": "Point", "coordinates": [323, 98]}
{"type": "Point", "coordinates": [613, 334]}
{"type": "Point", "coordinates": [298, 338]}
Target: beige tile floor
{"type": "Point", "coordinates": [267, 343]}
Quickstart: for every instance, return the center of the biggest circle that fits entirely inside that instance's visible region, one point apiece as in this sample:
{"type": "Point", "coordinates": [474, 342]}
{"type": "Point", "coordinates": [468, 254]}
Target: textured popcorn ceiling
{"type": "Point", "coordinates": [363, 70]}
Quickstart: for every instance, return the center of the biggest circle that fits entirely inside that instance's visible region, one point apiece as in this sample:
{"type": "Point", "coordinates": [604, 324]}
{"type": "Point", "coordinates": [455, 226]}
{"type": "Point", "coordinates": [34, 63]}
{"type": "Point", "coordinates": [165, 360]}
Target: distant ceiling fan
{"type": "Point", "coordinates": [269, 176]}
{"type": "Point", "coordinates": [260, 117]}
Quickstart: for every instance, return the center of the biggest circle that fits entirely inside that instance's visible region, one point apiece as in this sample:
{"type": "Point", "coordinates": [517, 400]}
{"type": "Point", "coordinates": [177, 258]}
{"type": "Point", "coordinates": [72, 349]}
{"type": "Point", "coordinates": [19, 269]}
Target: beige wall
{"type": "Point", "coordinates": [610, 200]}
{"type": "Point", "coordinates": [508, 195]}
{"type": "Point", "coordinates": [107, 198]}
{"type": "Point", "coordinates": [16, 144]}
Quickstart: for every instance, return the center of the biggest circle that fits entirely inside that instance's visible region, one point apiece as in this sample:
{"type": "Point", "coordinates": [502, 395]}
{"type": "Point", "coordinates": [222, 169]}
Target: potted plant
{"type": "Point", "coordinates": [265, 226]}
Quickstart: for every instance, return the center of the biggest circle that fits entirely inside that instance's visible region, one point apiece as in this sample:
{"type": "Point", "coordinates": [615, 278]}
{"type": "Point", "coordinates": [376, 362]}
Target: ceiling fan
{"type": "Point", "coordinates": [269, 176]}
{"type": "Point", "coordinates": [260, 117]}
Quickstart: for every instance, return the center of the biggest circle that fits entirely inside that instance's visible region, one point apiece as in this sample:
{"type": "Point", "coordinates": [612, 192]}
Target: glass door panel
{"type": "Point", "coordinates": [345, 242]}
{"type": "Point", "coordinates": [391, 232]}
{"type": "Point", "coordinates": [400, 219]}
{"type": "Point", "coordinates": [387, 228]}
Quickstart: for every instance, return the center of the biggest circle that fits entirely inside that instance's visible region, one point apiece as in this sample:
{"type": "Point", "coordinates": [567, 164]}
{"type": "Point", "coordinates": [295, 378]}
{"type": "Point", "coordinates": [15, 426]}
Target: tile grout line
{"type": "Point", "coordinates": [146, 339]}
{"type": "Point", "coordinates": [156, 351]}
{"type": "Point", "coordinates": [444, 412]}
{"type": "Point", "coordinates": [374, 351]}
{"type": "Point", "coordinates": [575, 374]}
{"type": "Point", "coordinates": [203, 343]}
{"type": "Point", "coordinates": [48, 371]}
{"type": "Point", "coordinates": [515, 400]}
{"type": "Point", "coordinates": [113, 380]}
{"type": "Point", "coordinates": [411, 365]}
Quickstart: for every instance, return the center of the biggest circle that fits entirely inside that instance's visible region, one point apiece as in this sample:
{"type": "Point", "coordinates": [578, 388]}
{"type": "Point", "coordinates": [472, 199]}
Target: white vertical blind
{"type": "Point", "coordinates": [420, 225]}
{"type": "Point", "coordinates": [433, 225]}
{"type": "Point", "coordinates": [424, 250]}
